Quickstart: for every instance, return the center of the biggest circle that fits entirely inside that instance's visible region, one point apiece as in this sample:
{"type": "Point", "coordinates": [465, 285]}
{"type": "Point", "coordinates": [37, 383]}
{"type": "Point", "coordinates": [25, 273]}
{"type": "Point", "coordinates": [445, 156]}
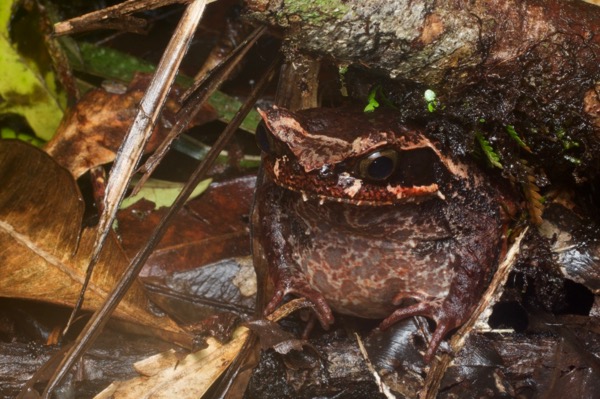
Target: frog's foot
{"type": "Point", "coordinates": [301, 289]}
{"type": "Point", "coordinates": [445, 322]}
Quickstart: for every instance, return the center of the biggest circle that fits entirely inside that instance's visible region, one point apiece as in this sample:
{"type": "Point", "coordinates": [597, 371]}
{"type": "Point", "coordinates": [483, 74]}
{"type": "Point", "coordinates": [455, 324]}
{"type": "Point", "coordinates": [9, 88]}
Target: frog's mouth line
{"type": "Point", "coordinates": [425, 193]}
{"type": "Point", "coordinates": [348, 189]}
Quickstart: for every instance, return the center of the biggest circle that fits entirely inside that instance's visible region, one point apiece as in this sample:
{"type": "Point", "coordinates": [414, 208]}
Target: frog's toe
{"type": "Point", "coordinates": [274, 302]}
{"type": "Point", "coordinates": [320, 306]}
{"type": "Point", "coordinates": [442, 328]}
{"type": "Point", "coordinates": [432, 310]}
{"type": "Point", "coordinates": [419, 309]}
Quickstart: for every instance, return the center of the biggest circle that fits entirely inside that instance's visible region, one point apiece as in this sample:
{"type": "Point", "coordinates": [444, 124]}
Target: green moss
{"type": "Point", "coordinates": [316, 12]}
{"type": "Point", "coordinates": [510, 129]}
{"type": "Point", "coordinates": [565, 139]}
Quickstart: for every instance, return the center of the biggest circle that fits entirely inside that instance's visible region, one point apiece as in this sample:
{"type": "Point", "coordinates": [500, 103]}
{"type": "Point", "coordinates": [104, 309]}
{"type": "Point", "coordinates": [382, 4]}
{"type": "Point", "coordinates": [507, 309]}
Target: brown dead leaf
{"type": "Point", "coordinates": [193, 295]}
{"type": "Point", "coordinates": [92, 131]}
{"type": "Point", "coordinates": [40, 220]}
{"type": "Point", "coordinates": [202, 266]}
{"type": "Point", "coordinates": [208, 229]}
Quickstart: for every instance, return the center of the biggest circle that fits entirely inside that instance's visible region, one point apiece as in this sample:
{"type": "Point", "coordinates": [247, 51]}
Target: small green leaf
{"type": "Point", "coordinates": [488, 150]}
{"type": "Point", "coordinates": [515, 136]}
{"type": "Point", "coordinates": [8, 133]}
{"type": "Point", "coordinates": [163, 193]}
{"type": "Point", "coordinates": [431, 99]}
{"type": "Point", "coordinates": [30, 139]}
{"type": "Point", "coordinates": [372, 102]}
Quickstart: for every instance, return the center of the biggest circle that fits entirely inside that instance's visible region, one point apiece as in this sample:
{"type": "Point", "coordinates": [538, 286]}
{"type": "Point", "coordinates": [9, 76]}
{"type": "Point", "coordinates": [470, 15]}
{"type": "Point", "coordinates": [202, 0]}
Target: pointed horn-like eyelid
{"type": "Point", "coordinates": [316, 140]}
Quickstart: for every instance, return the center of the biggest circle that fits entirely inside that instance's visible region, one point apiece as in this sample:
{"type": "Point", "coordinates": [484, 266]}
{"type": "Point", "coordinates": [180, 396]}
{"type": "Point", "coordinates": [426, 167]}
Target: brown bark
{"type": "Point", "coordinates": [440, 43]}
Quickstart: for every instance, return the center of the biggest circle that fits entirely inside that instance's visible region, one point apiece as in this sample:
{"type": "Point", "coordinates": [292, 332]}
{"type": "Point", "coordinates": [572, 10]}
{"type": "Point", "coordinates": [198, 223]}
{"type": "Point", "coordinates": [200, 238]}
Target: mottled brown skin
{"type": "Point", "coordinates": [423, 241]}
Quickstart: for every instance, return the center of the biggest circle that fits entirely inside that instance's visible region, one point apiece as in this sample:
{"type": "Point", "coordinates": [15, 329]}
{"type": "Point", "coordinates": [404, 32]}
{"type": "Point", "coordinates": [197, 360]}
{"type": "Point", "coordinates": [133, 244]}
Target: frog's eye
{"type": "Point", "coordinates": [263, 138]}
{"type": "Point", "coordinates": [378, 165]}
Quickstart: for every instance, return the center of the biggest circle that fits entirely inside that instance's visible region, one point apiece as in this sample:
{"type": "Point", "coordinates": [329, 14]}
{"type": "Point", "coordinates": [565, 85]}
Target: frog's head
{"type": "Point", "coordinates": [346, 155]}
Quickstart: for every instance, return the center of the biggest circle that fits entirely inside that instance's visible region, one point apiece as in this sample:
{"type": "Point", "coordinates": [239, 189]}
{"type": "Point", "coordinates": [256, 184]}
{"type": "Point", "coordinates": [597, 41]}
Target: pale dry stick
{"type": "Point", "coordinates": [134, 142]}
{"type": "Point", "coordinates": [94, 20]}
{"type": "Point", "coordinates": [491, 295]}
{"type": "Point", "coordinates": [131, 149]}
{"type": "Point", "coordinates": [94, 326]}
{"type": "Point", "coordinates": [198, 94]}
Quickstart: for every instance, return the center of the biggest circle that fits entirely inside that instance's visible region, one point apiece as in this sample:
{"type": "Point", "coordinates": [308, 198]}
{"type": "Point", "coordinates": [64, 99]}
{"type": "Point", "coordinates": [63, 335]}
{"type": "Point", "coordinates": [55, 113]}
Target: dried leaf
{"type": "Point", "coordinates": [207, 230]}
{"type": "Point", "coordinates": [40, 257]}
{"type": "Point", "coordinates": [167, 376]}
{"type": "Point", "coordinates": [205, 291]}
{"type": "Point", "coordinates": [574, 243]}
{"type": "Point", "coordinates": [92, 131]}
{"type": "Point", "coordinates": [535, 201]}
{"type": "Point", "coordinates": [273, 336]}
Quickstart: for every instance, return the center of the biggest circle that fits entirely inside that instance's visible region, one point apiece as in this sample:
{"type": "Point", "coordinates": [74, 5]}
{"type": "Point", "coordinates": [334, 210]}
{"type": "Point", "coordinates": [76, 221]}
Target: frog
{"type": "Point", "coordinates": [363, 215]}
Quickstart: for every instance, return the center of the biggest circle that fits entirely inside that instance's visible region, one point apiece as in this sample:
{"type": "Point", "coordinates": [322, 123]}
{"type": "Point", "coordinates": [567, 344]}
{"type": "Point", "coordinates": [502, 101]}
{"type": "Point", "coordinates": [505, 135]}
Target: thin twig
{"type": "Point", "coordinates": [94, 19]}
{"type": "Point", "coordinates": [200, 93]}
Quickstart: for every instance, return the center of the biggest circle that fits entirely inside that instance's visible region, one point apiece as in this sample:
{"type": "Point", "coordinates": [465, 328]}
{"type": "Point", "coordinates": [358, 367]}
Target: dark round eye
{"type": "Point", "coordinates": [378, 165]}
{"type": "Point", "coordinates": [263, 138]}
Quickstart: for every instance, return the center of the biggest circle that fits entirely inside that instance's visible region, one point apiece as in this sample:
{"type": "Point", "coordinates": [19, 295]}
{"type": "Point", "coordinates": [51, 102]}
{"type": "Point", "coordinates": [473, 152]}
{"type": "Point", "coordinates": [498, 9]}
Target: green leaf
{"type": "Point", "coordinates": [8, 133]}
{"type": "Point", "coordinates": [372, 102]}
{"type": "Point", "coordinates": [116, 65]}
{"type": "Point", "coordinates": [431, 99]}
{"type": "Point", "coordinates": [163, 193]}
{"type": "Point", "coordinates": [24, 89]}
{"type": "Point", "coordinates": [488, 150]}
{"type": "Point", "coordinates": [109, 63]}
